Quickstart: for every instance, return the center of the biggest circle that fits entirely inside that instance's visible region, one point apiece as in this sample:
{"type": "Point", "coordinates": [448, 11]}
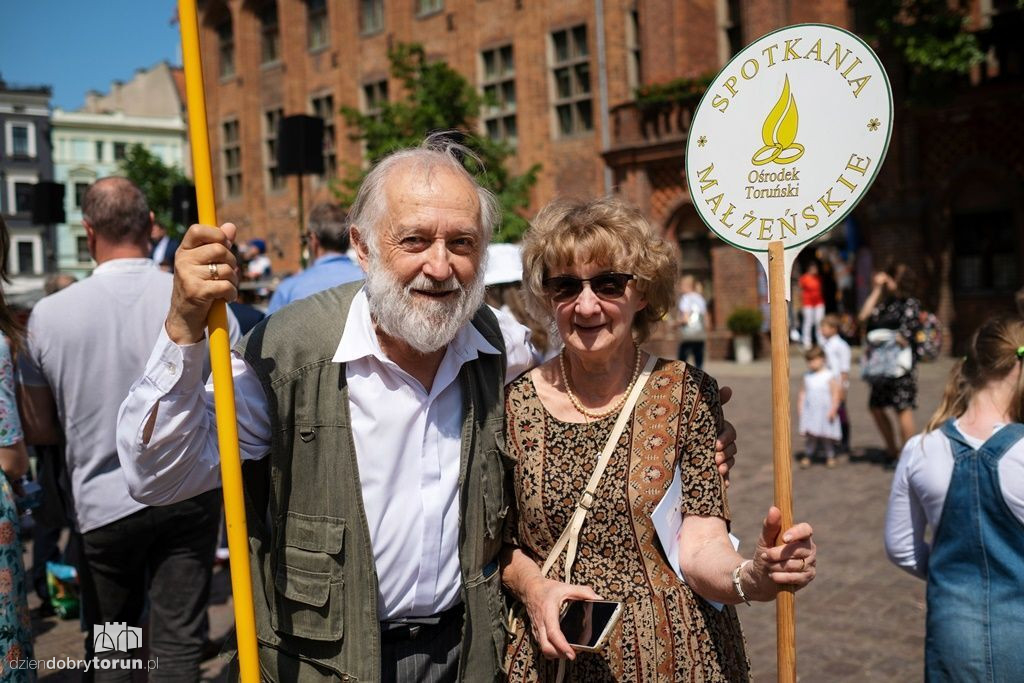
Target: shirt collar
{"type": "Point", "coordinates": [359, 339]}
{"type": "Point", "coordinates": [331, 256]}
{"type": "Point", "coordinates": [124, 264]}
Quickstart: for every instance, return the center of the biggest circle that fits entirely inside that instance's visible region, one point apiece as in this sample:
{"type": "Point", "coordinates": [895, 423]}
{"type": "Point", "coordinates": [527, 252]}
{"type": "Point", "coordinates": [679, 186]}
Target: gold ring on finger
{"type": "Point", "coordinates": [213, 271]}
{"type": "Point", "coordinates": [803, 563]}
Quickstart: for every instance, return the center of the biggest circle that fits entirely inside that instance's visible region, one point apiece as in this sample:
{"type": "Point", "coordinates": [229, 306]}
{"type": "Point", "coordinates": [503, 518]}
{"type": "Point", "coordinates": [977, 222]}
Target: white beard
{"type": "Point", "coordinates": [424, 324]}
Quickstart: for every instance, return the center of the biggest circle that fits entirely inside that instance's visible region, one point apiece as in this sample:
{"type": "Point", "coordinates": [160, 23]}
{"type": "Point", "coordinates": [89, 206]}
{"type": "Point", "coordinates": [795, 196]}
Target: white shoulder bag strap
{"type": "Point", "coordinates": [570, 536]}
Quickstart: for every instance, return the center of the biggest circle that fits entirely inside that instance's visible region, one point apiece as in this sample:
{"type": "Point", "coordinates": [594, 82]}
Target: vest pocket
{"type": "Point", "coordinates": [309, 579]}
{"type": "Point", "coordinates": [495, 477]}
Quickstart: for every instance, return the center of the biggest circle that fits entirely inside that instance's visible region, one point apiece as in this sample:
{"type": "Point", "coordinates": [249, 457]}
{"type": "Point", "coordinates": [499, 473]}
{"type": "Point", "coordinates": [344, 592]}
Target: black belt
{"type": "Point", "coordinates": [410, 628]}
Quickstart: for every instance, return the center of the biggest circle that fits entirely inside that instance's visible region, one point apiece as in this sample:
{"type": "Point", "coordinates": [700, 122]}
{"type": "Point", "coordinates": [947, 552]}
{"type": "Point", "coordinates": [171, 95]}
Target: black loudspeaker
{"type": "Point", "coordinates": [184, 207]}
{"type": "Point", "coordinates": [300, 145]}
{"type": "Point", "coordinates": [48, 203]}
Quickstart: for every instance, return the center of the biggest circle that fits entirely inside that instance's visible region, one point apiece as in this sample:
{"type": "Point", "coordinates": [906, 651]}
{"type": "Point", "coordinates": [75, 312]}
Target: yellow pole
{"type": "Point", "coordinates": [220, 359]}
{"type": "Point", "coordinates": [785, 607]}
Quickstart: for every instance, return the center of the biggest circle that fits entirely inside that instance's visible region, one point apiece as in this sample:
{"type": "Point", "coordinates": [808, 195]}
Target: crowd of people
{"type": "Point", "coordinates": [415, 462]}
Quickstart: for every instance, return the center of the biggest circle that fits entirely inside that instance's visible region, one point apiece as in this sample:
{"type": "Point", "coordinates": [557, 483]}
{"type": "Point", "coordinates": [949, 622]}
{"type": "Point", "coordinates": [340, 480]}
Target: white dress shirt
{"type": "Point", "coordinates": [407, 439]}
{"type": "Point", "coordinates": [919, 489]}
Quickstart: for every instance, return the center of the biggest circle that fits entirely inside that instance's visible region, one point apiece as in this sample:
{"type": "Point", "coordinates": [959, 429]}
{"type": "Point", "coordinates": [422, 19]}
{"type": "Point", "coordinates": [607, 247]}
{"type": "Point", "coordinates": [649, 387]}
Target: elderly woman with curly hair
{"type": "Point", "coordinates": [601, 275]}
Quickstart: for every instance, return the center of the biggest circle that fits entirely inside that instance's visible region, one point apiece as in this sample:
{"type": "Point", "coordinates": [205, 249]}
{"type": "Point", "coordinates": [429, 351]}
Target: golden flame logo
{"type": "Point", "coordinates": [779, 132]}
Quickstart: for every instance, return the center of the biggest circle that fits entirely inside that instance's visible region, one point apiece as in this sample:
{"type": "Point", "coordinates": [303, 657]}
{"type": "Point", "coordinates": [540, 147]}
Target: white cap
{"type": "Point", "coordinates": [504, 264]}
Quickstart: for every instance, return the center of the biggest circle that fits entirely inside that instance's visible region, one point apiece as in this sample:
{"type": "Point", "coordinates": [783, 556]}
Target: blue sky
{"type": "Point", "coordinates": [75, 45]}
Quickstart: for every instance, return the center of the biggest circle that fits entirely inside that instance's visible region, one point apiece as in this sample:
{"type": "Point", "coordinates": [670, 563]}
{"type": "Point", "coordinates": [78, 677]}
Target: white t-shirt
{"type": "Point", "coordinates": [88, 343]}
{"type": "Point", "coordinates": [919, 491]}
{"type": "Point", "coordinates": [695, 309]}
{"type": "Point", "coordinates": [837, 357]}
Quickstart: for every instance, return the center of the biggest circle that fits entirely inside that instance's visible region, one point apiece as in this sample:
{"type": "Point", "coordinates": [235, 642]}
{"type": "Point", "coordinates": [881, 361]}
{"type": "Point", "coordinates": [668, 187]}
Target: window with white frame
{"type": "Point", "coordinates": [371, 16]}
{"type": "Point", "coordinates": [271, 120]}
{"type": "Point", "coordinates": [120, 151]}
{"type": "Point", "coordinates": [27, 255]}
{"type": "Point", "coordinates": [570, 72]}
{"type": "Point", "coordinates": [82, 249]}
{"type": "Point", "coordinates": [80, 190]}
{"type": "Point", "coordinates": [21, 139]}
{"type": "Point", "coordinates": [20, 188]}
{"type": "Point", "coordinates": [232, 150]}
{"type": "Point", "coordinates": [317, 29]}
{"type": "Point", "coordinates": [498, 81]}
{"type": "Point", "coordinates": [323, 106]}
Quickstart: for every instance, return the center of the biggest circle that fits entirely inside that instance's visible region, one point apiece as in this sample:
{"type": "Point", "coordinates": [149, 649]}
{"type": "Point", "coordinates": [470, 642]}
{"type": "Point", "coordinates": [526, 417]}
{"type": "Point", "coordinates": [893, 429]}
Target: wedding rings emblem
{"type": "Point", "coordinates": [213, 271]}
{"type": "Point", "coordinates": [779, 132]}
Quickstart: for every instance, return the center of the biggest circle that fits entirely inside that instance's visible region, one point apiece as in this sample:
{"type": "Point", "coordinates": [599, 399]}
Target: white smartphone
{"type": "Point", "coordinates": [586, 624]}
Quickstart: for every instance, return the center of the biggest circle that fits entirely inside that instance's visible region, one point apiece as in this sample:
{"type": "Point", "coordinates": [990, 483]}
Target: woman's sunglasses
{"type": "Point", "coordinates": [605, 286]}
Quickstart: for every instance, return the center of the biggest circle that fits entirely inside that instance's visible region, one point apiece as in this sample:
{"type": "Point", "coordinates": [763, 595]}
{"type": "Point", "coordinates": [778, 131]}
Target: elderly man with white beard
{"type": "Point", "coordinates": [371, 423]}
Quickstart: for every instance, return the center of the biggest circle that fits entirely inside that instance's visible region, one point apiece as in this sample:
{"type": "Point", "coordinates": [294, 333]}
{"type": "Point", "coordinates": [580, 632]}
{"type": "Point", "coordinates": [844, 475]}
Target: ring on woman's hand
{"type": "Point", "coordinates": [213, 271]}
{"type": "Point", "coordinates": [803, 563]}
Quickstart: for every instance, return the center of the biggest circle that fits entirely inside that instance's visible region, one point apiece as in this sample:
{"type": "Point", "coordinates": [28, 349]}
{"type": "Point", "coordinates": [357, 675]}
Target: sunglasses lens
{"type": "Point", "coordinates": [605, 286]}
{"type": "Point", "coordinates": [563, 288]}
{"type": "Point", "coordinates": [610, 285]}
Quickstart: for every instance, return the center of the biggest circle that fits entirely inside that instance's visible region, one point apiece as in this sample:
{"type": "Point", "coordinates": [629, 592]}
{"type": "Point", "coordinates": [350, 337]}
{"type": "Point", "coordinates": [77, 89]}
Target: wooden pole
{"type": "Point", "coordinates": [785, 609]}
{"type": "Point", "coordinates": [220, 359]}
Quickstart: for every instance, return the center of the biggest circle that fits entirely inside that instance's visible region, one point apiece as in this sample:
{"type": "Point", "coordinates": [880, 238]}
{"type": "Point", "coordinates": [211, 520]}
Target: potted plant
{"type": "Point", "coordinates": [744, 323]}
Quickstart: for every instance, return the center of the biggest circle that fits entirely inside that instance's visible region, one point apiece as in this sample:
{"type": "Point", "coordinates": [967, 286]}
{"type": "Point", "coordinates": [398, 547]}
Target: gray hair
{"type": "Point", "coordinates": [437, 150]}
{"type": "Point", "coordinates": [329, 223]}
{"type": "Point", "coordinates": [117, 210]}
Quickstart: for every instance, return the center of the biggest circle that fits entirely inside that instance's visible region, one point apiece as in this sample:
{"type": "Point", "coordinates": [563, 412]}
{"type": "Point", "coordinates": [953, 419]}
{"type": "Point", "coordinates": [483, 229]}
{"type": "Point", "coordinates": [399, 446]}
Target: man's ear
{"type": "Point", "coordinates": [90, 237]}
{"type": "Point", "coordinates": [362, 251]}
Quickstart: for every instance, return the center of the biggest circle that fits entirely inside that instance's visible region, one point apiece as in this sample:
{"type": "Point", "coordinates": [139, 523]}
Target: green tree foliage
{"type": "Point", "coordinates": [437, 98]}
{"type": "Point", "coordinates": [930, 36]}
{"type": "Point", "coordinates": [155, 179]}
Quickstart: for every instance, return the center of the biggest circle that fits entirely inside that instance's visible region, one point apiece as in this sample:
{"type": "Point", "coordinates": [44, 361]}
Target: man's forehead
{"type": "Point", "coordinates": [413, 190]}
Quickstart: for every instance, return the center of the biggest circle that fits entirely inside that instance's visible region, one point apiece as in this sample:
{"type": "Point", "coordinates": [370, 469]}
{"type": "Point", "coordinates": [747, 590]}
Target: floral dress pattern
{"type": "Point", "coordinates": [666, 632]}
{"type": "Point", "coordinates": [15, 623]}
{"type": "Point", "coordinates": [902, 314]}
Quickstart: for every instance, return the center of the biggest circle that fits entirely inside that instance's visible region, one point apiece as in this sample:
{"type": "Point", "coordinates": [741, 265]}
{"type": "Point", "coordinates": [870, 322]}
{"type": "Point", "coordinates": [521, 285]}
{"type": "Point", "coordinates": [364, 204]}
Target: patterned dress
{"type": "Point", "coordinates": [902, 314]}
{"type": "Point", "coordinates": [15, 623]}
{"type": "Point", "coordinates": [666, 632]}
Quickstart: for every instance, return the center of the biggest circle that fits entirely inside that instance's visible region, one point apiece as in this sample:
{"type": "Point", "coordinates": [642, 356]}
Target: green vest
{"type": "Point", "coordinates": [314, 578]}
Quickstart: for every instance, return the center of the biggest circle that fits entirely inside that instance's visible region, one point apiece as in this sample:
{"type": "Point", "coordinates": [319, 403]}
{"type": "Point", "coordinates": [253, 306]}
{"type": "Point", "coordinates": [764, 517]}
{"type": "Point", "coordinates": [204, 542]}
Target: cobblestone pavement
{"type": "Point", "coordinates": [861, 620]}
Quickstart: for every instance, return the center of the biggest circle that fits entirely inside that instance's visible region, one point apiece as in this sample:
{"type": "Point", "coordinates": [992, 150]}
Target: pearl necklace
{"type": "Point", "coordinates": [576, 402]}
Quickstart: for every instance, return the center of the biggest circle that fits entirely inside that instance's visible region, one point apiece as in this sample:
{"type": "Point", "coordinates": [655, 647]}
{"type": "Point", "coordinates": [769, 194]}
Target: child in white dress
{"type": "Point", "coordinates": [818, 409]}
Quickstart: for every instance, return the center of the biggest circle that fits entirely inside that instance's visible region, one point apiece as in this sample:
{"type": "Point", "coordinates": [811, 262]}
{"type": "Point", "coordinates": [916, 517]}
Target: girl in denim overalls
{"type": "Point", "coordinates": [964, 479]}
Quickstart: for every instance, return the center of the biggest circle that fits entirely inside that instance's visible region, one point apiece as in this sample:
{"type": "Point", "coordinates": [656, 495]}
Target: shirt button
{"type": "Point", "coordinates": [171, 368]}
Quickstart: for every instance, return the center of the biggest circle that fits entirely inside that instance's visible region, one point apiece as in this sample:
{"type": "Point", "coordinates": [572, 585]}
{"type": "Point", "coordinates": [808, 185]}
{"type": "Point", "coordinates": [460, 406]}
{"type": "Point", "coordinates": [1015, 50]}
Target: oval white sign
{"type": "Point", "coordinates": [788, 137]}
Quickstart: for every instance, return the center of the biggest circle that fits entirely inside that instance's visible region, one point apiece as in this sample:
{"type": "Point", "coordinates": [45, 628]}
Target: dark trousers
{"type": "Point", "coordinates": [692, 347]}
{"type": "Point", "coordinates": [427, 653]}
{"type": "Point", "coordinates": [163, 553]}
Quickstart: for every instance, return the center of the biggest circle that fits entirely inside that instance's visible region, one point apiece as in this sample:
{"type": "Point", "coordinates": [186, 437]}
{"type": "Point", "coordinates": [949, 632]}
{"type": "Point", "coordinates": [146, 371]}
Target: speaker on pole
{"type": "Point", "coordinates": [184, 207]}
{"type": "Point", "coordinates": [300, 145]}
{"type": "Point", "coordinates": [48, 203]}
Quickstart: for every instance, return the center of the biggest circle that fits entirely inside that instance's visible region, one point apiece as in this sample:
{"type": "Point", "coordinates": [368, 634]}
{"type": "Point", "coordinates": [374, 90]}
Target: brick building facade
{"type": "Point", "coordinates": [564, 76]}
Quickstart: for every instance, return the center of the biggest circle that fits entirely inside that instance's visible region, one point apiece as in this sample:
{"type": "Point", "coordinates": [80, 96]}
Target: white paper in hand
{"type": "Point", "coordinates": [668, 519]}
